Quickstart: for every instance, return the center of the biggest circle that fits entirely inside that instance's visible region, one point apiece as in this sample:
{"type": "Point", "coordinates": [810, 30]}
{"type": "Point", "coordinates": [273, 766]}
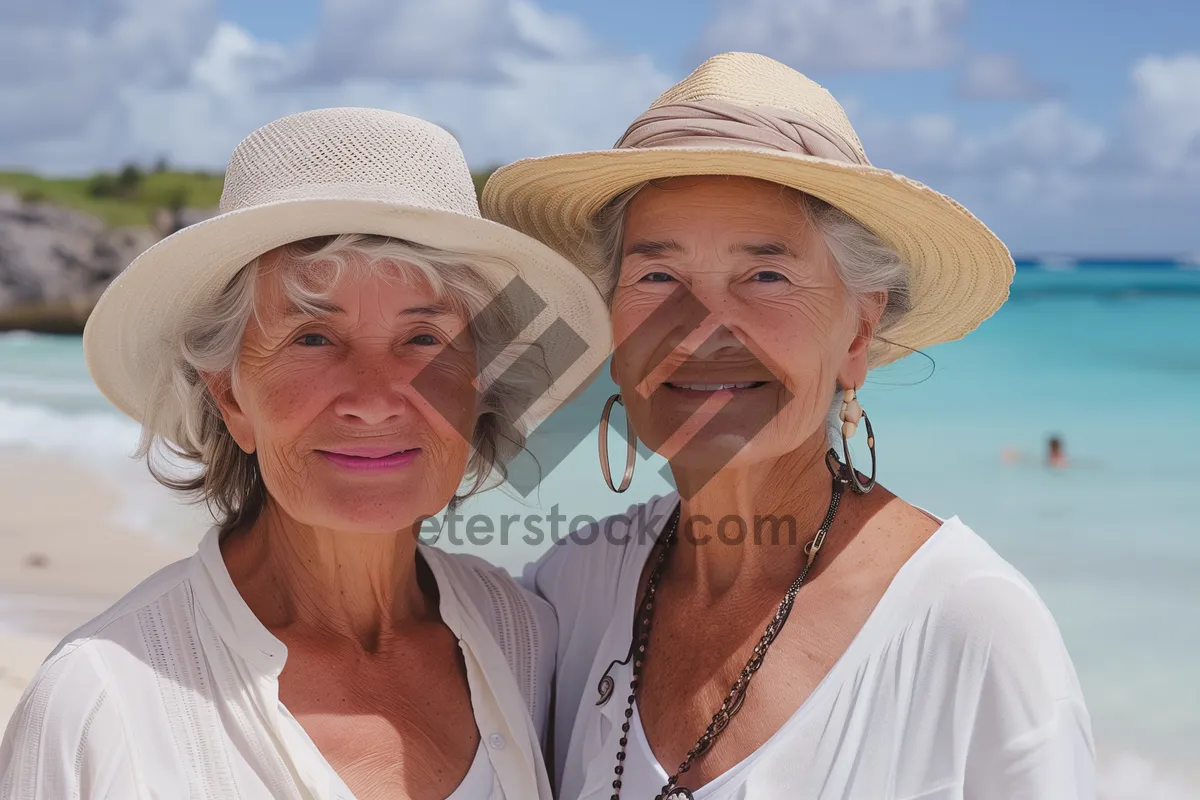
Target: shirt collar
{"type": "Point", "coordinates": [221, 603]}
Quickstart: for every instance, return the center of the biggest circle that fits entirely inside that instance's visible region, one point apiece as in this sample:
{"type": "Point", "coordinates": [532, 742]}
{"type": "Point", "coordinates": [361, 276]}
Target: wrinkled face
{"type": "Point", "coordinates": [348, 437]}
{"type": "Point", "coordinates": [732, 325]}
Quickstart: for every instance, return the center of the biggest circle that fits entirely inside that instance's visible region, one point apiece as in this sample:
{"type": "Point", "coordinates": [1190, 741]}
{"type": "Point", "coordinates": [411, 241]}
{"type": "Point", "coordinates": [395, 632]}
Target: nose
{"type": "Point", "coordinates": [375, 391]}
{"type": "Point", "coordinates": [717, 341]}
{"type": "Point", "coordinates": [714, 337]}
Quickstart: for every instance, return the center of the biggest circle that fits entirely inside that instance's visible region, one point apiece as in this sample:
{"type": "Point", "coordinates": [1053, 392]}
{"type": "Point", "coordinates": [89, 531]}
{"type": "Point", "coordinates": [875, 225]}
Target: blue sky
{"type": "Point", "coordinates": [1067, 125]}
{"type": "Point", "coordinates": [1083, 49]}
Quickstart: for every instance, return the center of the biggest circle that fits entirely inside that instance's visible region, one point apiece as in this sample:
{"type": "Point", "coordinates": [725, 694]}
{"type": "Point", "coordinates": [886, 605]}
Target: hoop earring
{"type": "Point", "coordinates": [851, 412]}
{"type": "Point", "coordinates": [630, 440]}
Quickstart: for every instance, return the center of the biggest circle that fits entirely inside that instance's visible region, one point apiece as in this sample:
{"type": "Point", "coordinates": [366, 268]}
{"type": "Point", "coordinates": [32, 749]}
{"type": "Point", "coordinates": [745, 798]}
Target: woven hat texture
{"type": "Point", "coordinates": [327, 172]}
{"type": "Point", "coordinates": [959, 271]}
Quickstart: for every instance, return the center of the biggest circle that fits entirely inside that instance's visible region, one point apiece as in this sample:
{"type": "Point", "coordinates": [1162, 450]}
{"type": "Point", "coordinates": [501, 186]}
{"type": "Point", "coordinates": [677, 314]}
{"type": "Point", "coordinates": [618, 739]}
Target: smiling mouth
{"type": "Point", "coordinates": [370, 460]}
{"type": "Point", "coordinates": [714, 387]}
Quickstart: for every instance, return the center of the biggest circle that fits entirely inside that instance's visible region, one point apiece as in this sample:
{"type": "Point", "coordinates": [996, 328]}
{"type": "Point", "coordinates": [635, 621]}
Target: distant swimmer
{"type": "Point", "coordinates": [1056, 454]}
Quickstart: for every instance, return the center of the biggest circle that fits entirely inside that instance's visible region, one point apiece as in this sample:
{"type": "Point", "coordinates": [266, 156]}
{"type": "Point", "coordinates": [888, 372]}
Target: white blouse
{"type": "Point", "coordinates": [957, 686]}
{"type": "Point", "coordinates": [173, 693]}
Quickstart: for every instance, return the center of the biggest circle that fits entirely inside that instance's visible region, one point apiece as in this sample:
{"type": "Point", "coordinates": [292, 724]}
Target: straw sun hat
{"type": "Point", "coordinates": [334, 171]}
{"type": "Point", "coordinates": [748, 115]}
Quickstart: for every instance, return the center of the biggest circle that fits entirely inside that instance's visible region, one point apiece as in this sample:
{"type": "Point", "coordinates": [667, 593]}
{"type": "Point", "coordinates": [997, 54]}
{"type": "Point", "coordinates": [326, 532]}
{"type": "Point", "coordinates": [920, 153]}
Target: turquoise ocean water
{"type": "Point", "coordinates": [1108, 358]}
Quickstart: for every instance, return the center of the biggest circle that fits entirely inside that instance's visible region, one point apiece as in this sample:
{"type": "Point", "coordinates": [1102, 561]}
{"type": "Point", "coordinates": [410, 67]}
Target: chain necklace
{"type": "Point", "coordinates": [737, 695]}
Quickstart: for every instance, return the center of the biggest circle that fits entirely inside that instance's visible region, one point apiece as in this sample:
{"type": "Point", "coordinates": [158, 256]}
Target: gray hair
{"type": "Point", "coordinates": [864, 262]}
{"type": "Point", "coordinates": [183, 417]}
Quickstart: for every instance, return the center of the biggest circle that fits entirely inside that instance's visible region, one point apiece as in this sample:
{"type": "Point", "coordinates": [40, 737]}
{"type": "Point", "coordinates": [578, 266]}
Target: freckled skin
{"type": "Point", "coordinates": [373, 675]}
{"type": "Point", "coordinates": [346, 379]}
{"type": "Point", "coordinates": [777, 313]}
{"type": "Point", "coordinates": [785, 317]}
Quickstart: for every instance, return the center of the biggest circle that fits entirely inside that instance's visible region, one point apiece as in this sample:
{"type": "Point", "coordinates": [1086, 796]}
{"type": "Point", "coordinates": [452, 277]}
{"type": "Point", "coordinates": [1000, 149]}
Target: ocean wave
{"type": "Point", "coordinates": [84, 436]}
{"type": "Point", "coordinates": [17, 337]}
{"type": "Point", "coordinates": [48, 387]}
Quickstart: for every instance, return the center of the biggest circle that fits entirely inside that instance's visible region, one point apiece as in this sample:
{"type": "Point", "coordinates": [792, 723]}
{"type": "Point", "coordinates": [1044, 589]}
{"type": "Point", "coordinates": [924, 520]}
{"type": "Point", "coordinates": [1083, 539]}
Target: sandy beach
{"type": "Point", "coordinates": [64, 557]}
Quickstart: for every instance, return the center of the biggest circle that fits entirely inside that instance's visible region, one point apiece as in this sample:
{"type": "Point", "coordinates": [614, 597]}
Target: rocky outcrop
{"type": "Point", "coordinates": [52, 256]}
{"type": "Point", "coordinates": [55, 262]}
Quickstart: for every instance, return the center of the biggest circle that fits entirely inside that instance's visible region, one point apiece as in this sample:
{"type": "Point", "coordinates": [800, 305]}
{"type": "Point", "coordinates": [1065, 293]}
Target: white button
{"type": "Point", "coordinates": [496, 741]}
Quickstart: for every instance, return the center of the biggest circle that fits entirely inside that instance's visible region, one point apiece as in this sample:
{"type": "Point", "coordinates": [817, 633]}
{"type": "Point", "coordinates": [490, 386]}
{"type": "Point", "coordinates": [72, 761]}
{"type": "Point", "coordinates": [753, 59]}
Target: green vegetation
{"type": "Point", "coordinates": [132, 195]}
{"type": "Point", "coordinates": [128, 197]}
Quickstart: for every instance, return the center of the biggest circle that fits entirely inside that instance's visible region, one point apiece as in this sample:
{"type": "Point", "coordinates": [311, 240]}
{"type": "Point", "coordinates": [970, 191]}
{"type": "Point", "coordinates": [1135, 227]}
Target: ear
{"type": "Point", "coordinates": [220, 387]}
{"type": "Point", "coordinates": [854, 369]}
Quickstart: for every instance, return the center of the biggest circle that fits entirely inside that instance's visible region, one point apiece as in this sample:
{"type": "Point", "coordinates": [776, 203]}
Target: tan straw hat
{"type": "Point", "coordinates": [749, 115]}
{"type": "Point", "coordinates": [335, 171]}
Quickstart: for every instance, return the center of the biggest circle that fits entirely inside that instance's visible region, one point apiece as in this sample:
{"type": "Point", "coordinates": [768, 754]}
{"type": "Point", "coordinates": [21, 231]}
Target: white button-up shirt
{"type": "Point", "coordinates": [174, 692]}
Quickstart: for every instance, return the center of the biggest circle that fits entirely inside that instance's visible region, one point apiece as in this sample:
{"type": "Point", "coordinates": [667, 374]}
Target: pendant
{"type": "Point", "coordinates": [606, 686]}
{"type": "Point", "coordinates": [679, 794]}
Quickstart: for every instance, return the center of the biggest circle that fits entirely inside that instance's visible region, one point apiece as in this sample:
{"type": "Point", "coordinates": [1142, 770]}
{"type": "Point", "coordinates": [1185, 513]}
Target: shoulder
{"type": "Point", "coordinates": [993, 646]}
{"type": "Point", "coordinates": [102, 654]}
{"type": "Point", "coordinates": [153, 615]}
{"type": "Point", "coordinates": [975, 588]}
{"type": "Point", "coordinates": [68, 711]}
{"type": "Point", "coordinates": [165, 588]}
{"type": "Point", "coordinates": [985, 616]}
{"type": "Point", "coordinates": [587, 566]}
{"type": "Point", "coordinates": [70, 717]}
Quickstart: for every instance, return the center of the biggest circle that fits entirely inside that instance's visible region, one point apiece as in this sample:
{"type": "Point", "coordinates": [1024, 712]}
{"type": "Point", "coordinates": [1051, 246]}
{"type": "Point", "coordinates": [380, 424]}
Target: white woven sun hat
{"type": "Point", "coordinates": [748, 115]}
{"type": "Point", "coordinates": [335, 171]}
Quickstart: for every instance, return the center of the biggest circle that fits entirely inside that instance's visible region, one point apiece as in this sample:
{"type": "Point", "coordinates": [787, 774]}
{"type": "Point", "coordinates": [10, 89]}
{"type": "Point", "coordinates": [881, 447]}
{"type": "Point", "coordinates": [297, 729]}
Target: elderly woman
{"type": "Point", "coordinates": [783, 628]}
{"type": "Point", "coordinates": [334, 353]}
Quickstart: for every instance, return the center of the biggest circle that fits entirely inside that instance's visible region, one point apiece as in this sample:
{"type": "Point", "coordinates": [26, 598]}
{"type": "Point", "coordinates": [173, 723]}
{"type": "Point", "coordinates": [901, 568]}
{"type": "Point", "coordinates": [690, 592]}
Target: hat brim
{"type": "Point", "coordinates": [131, 331]}
{"type": "Point", "coordinates": [960, 272]}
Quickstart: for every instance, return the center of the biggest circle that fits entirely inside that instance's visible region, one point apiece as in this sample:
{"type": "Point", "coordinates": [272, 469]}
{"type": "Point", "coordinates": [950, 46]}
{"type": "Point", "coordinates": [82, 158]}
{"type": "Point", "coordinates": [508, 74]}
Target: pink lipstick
{"type": "Point", "coordinates": [370, 458]}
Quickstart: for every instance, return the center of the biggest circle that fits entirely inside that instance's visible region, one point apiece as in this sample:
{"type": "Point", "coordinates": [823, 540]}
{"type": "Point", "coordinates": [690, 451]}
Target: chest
{"type": "Point", "coordinates": [396, 724]}
{"type": "Point", "coordinates": [866, 725]}
{"type": "Point", "coordinates": [699, 649]}
{"type": "Point", "coordinates": [694, 660]}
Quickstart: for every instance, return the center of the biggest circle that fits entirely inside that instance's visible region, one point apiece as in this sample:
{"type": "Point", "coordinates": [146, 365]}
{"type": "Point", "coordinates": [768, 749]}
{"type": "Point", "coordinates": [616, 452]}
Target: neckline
{"type": "Point", "coordinates": [245, 633]}
{"type": "Point", "coordinates": [237, 625]}
{"type": "Point", "coordinates": [476, 778]}
{"type": "Point", "coordinates": [906, 576]}
{"type": "Point", "coordinates": [638, 735]}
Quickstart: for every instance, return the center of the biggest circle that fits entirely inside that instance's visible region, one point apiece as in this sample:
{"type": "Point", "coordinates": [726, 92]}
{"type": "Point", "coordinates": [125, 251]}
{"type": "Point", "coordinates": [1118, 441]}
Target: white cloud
{"type": "Point", "coordinates": [92, 84]}
{"type": "Point", "coordinates": [560, 91]}
{"type": "Point", "coordinates": [413, 40]}
{"type": "Point", "coordinates": [999, 76]}
{"type": "Point", "coordinates": [559, 34]}
{"type": "Point", "coordinates": [1045, 137]}
{"type": "Point", "coordinates": [1049, 180]}
{"type": "Point", "coordinates": [64, 63]}
{"type": "Point", "coordinates": [1164, 122]}
{"type": "Point", "coordinates": [839, 34]}
{"type": "Point", "coordinates": [1048, 135]}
